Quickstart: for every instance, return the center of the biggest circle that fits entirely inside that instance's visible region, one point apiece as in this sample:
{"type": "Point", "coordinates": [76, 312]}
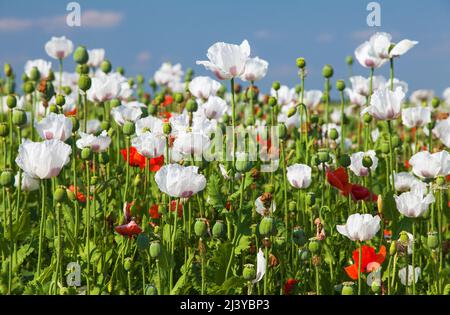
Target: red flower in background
{"type": "Point", "coordinates": [128, 229]}
{"type": "Point", "coordinates": [153, 212]}
{"type": "Point", "coordinates": [362, 193]}
{"type": "Point", "coordinates": [369, 260]}
{"type": "Point", "coordinates": [71, 113]}
{"type": "Point", "coordinates": [339, 179]}
{"type": "Point", "coordinates": [80, 196]}
{"type": "Point", "coordinates": [168, 100]}
{"type": "Point", "coordinates": [154, 209]}
{"type": "Point", "coordinates": [156, 163]}
{"type": "Point", "coordinates": [137, 159]}
{"type": "Point", "coordinates": [289, 285]}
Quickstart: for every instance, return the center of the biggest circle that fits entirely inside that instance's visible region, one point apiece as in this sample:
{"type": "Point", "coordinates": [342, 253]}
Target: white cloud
{"type": "Point", "coordinates": [143, 57]}
{"type": "Point", "coordinates": [89, 19]}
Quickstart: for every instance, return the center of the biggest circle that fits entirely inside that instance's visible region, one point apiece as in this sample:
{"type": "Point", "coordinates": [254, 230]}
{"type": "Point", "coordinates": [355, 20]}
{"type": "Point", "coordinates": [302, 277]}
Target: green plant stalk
{"type": "Point", "coordinates": [233, 121]}
{"type": "Point", "coordinates": [85, 112]}
{"type": "Point", "coordinates": [341, 94]}
{"type": "Point", "coordinates": [11, 242]}
{"type": "Point", "coordinates": [60, 74]}
{"type": "Point", "coordinates": [127, 167]}
{"type": "Point", "coordinates": [41, 227]}
{"type": "Point", "coordinates": [391, 60]}
{"type": "Point", "coordinates": [10, 113]}
{"type": "Point", "coordinates": [390, 153]}
{"type": "Point", "coordinates": [413, 257]}
{"type": "Point", "coordinates": [88, 227]}
{"type": "Point", "coordinates": [59, 256]}
{"type": "Point", "coordinates": [286, 209]}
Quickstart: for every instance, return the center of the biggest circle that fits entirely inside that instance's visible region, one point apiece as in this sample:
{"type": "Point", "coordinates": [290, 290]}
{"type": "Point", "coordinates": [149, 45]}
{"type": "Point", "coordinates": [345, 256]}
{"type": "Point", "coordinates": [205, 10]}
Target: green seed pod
{"type": "Point", "coordinates": [86, 154]}
{"type": "Point", "coordinates": [432, 240]}
{"type": "Point", "coordinates": [167, 128]}
{"type": "Point", "coordinates": [367, 161]}
{"type": "Point", "coordinates": [114, 102]}
{"type": "Point", "coordinates": [155, 249]}
{"type": "Point", "coordinates": [53, 109]}
{"type": "Point", "coordinates": [272, 101]}
{"type": "Point", "coordinates": [349, 60]}
{"type": "Point", "coordinates": [35, 75]}
{"type": "Point", "coordinates": [84, 82]}
{"type": "Point", "coordinates": [128, 128]}
{"type": "Point", "coordinates": [250, 121]}
{"type": "Point", "coordinates": [282, 131]}
{"type": "Point", "coordinates": [276, 85]}
{"type": "Point", "coordinates": [440, 180]}
{"type": "Point", "coordinates": [200, 227]}
{"type": "Point", "coordinates": [435, 102]}
{"type": "Point", "coordinates": [299, 236]}
{"type": "Point", "coordinates": [301, 63]}
{"type": "Point", "coordinates": [131, 82]}
{"type": "Point", "coordinates": [7, 178]}
{"type": "Point", "coordinates": [179, 98]}
{"type": "Point", "coordinates": [292, 111]}
{"type": "Point", "coordinates": [142, 242]}
{"type": "Point", "coordinates": [71, 195]}
{"type": "Point", "coordinates": [327, 71]}
{"type": "Point", "coordinates": [266, 226]}
{"type": "Point", "coordinates": [219, 229]}
{"type": "Point", "coordinates": [80, 55]}
{"type": "Point", "coordinates": [191, 106]}
{"type": "Point", "coordinates": [314, 245]}
{"type": "Point", "coordinates": [60, 100]}
{"type": "Point", "coordinates": [28, 87]}
{"type": "Point", "coordinates": [60, 194]}
{"type": "Point", "coordinates": [292, 206]}
{"type": "Point", "coordinates": [243, 166]}
{"type": "Point", "coordinates": [82, 69]}
{"type": "Point", "coordinates": [7, 70]}
{"type": "Point", "coordinates": [384, 147]}
{"type": "Point", "coordinates": [67, 90]}
{"type": "Point", "coordinates": [150, 289]}
{"type": "Point", "coordinates": [323, 155]}
{"type": "Point", "coordinates": [403, 237]}
{"type": "Point", "coordinates": [19, 117]}
{"type": "Point", "coordinates": [367, 118]}
{"type": "Point", "coordinates": [106, 66]}
{"type": "Point", "coordinates": [334, 134]}
{"type": "Point", "coordinates": [11, 101]}
{"type": "Point", "coordinates": [344, 160]}
{"type": "Point", "coordinates": [127, 264]}
{"type": "Point", "coordinates": [152, 109]}
{"type": "Point", "coordinates": [4, 129]}
{"type": "Point", "coordinates": [310, 199]}
{"type": "Point", "coordinates": [249, 272]}
{"type": "Point", "coordinates": [396, 141]}
{"type": "Point", "coordinates": [120, 70]}
{"type": "Point", "coordinates": [347, 288]}
{"type": "Point", "coordinates": [340, 85]}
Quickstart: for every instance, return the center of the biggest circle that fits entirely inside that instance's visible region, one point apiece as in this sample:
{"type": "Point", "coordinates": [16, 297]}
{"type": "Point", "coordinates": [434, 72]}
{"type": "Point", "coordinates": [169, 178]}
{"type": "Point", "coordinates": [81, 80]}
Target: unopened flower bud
{"type": "Point", "coordinates": [291, 111]}
{"type": "Point", "coordinates": [86, 154]}
{"type": "Point", "coordinates": [80, 55]}
{"type": "Point", "coordinates": [266, 226]}
{"type": "Point", "coordinates": [155, 249]}
{"type": "Point", "coordinates": [432, 240]}
{"type": "Point", "coordinates": [393, 248]}
{"type": "Point", "coordinates": [120, 70]}
{"type": "Point", "coordinates": [347, 288]}
{"type": "Point", "coordinates": [200, 227]}
{"type": "Point", "coordinates": [128, 128]}
{"type": "Point", "coordinates": [7, 178]}
{"type": "Point", "coordinates": [435, 102]}
{"type": "Point", "coordinates": [340, 85]}
{"type": "Point", "coordinates": [323, 155]}
{"type": "Point", "coordinates": [272, 101]}
{"type": "Point", "coordinates": [367, 118]}
{"type": "Point", "coordinates": [334, 134]}
{"type": "Point", "coordinates": [301, 63]}
{"type": "Point", "coordinates": [150, 289]}
{"type": "Point", "coordinates": [314, 245]}
{"type": "Point", "coordinates": [35, 75]}
{"type": "Point", "coordinates": [282, 131]}
{"type": "Point", "coordinates": [327, 71]}
{"type": "Point", "coordinates": [128, 264]}
{"type": "Point", "coordinates": [60, 100]}
{"type": "Point", "coordinates": [60, 194]}
{"type": "Point", "coordinates": [367, 161]}
{"type": "Point", "coordinates": [7, 70]}
{"type": "Point", "coordinates": [191, 106]}
{"type": "Point", "coordinates": [11, 101]}
{"type": "Point", "coordinates": [219, 229]}
{"type": "Point", "coordinates": [276, 85]}
{"type": "Point", "coordinates": [384, 147]}
{"type": "Point", "coordinates": [249, 272]}
{"type": "Point", "coordinates": [82, 69]}
{"type": "Point", "coordinates": [167, 128]}
{"type": "Point", "coordinates": [84, 82]}
{"type": "Point", "coordinates": [349, 60]}
{"type": "Point", "coordinates": [19, 117]}
{"type": "Point", "coordinates": [28, 87]}
{"type": "Point", "coordinates": [106, 66]}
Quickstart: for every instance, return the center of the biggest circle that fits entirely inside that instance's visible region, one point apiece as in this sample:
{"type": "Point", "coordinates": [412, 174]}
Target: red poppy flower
{"type": "Point", "coordinates": [362, 193]}
{"type": "Point", "coordinates": [71, 113]}
{"type": "Point", "coordinates": [407, 164]}
{"type": "Point", "coordinates": [369, 260]}
{"type": "Point", "coordinates": [128, 229]}
{"type": "Point", "coordinates": [168, 100]}
{"type": "Point", "coordinates": [339, 179]}
{"type": "Point", "coordinates": [80, 196]}
{"type": "Point", "coordinates": [165, 116]}
{"type": "Point", "coordinates": [153, 212]}
{"type": "Point", "coordinates": [136, 159]}
{"type": "Point", "coordinates": [289, 285]}
{"type": "Point", "coordinates": [156, 163]}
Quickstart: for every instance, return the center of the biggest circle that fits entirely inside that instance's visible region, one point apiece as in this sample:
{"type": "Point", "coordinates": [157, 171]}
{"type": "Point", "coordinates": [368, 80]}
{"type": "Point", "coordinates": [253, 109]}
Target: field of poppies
{"type": "Point", "coordinates": [183, 184]}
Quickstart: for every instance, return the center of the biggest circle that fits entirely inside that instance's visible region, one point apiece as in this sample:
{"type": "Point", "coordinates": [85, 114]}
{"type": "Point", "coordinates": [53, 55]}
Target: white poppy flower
{"type": "Point", "coordinates": [130, 112]}
{"type": "Point", "coordinates": [360, 227]}
{"type": "Point", "coordinates": [299, 175]}
{"type": "Point", "coordinates": [204, 87]}
{"type": "Point", "coordinates": [43, 159]}
{"type": "Point", "coordinates": [227, 61]}
{"type": "Point", "coordinates": [98, 143]}
{"type": "Point", "coordinates": [355, 98]}
{"type": "Point", "coordinates": [419, 97]}
{"type": "Point", "coordinates": [255, 69]}
{"type": "Point", "coordinates": [284, 95]}
{"type": "Point", "coordinates": [96, 57]}
{"type": "Point", "coordinates": [312, 98]}
{"type": "Point", "coordinates": [104, 88]}
{"type": "Point", "coordinates": [149, 123]}
{"type": "Point", "coordinates": [168, 73]}
{"type": "Point", "coordinates": [59, 47]}
{"type": "Point", "coordinates": [366, 58]}
{"type": "Point", "coordinates": [149, 144]}
{"type": "Point", "coordinates": [385, 104]}
{"type": "Point", "coordinates": [413, 204]}
{"type": "Point", "coordinates": [403, 181]}
{"type": "Point", "coordinates": [191, 143]}
{"type": "Point", "coordinates": [180, 181]}
{"type": "Point", "coordinates": [93, 126]}
{"type": "Point", "coordinates": [261, 208]}
{"type": "Point", "coordinates": [54, 126]}
{"type": "Point", "coordinates": [43, 67]}
{"type": "Point", "coordinates": [214, 107]}
{"type": "Point", "coordinates": [261, 266]}
{"type": "Point", "coordinates": [426, 165]}
{"type": "Point", "coordinates": [29, 183]}
{"type": "Point", "coordinates": [356, 165]}
{"type": "Point", "coordinates": [417, 116]}
{"type": "Point", "coordinates": [402, 275]}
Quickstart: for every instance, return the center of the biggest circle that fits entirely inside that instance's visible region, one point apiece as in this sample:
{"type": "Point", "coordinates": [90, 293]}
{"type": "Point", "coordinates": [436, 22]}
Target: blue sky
{"type": "Point", "coordinates": [140, 35]}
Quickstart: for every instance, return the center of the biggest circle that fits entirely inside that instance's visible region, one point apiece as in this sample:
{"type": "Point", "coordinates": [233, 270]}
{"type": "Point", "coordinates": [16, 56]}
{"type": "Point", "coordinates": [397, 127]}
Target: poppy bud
{"type": "Point", "coordinates": [282, 131]}
{"type": "Point", "coordinates": [327, 71]}
{"type": "Point", "coordinates": [7, 70]}
{"type": "Point", "coordinates": [120, 70]}
{"type": "Point", "coordinates": [250, 121]}
{"type": "Point", "coordinates": [432, 240]}
{"type": "Point", "coordinates": [276, 85]}
{"type": "Point", "coordinates": [137, 180]}
{"type": "Point", "coordinates": [191, 106]}
{"type": "Point", "coordinates": [303, 254]}
{"type": "Point", "coordinates": [393, 248]}
{"type": "Point", "coordinates": [4, 130]}
{"type": "Point", "coordinates": [60, 194]}
{"type": "Point", "coordinates": [84, 82]}
{"type": "Point", "coordinates": [155, 249]}
{"type": "Point", "coordinates": [301, 63]}
{"type": "Point", "coordinates": [82, 69]}
{"type": "Point", "coordinates": [71, 195]}
{"type": "Point", "coordinates": [299, 236]}
{"type": "Point", "coordinates": [150, 289]}
{"type": "Point", "coordinates": [114, 102]}
{"type": "Point", "coordinates": [249, 272]}
{"type": "Point", "coordinates": [272, 101]}
{"type": "Point", "coordinates": [105, 66]}
{"type": "Point", "coordinates": [349, 60]}
{"type": "Point", "coordinates": [200, 227]}
{"type": "Point", "coordinates": [310, 199]}
{"type": "Point", "coordinates": [347, 288]}
{"type": "Point", "coordinates": [128, 128]}
{"type": "Point", "coordinates": [86, 154]}
{"type": "Point", "coordinates": [367, 118]}
{"type": "Point", "coordinates": [323, 155]}
{"type": "Point", "coordinates": [152, 109]}
{"type": "Point", "coordinates": [142, 242]}
{"type": "Point", "coordinates": [7, 178]}
{"type": "Point", "coordinates": [404, 237]}
{"type": "Point", "coordinates": [435, 102]}
{"type": "Point", "coordinates": [11, 101]}
{"type": "Point", "coordinates": [266, 226]}
{"type": "Point", "coordinates": [167, 128]}
{"type": "Point", "coordinates": [131, 82]}
{"type": "Point", "coordinates": [53, 109]}
{"type": "Point", "coordinates": [396, 141]}
{"type": "Point", "coordinates": [380, 204]}
{"type": "Point", "coordinates": [384, 147]}
{"type": "Point", "coordinates": [340, 85]}
{"type": "Point", "coordinates": [367, 161]}
{"type": "Point", "coordinates": [105, 125]}
{"type": "Point", "coordinates": [9, 87]}
{"type": "Point", "coordinates": [19, 117]}
{"type": "Point", "coordinates": [219, 229]}
{"type": "Point", "coordinates": [291, 111]}
{"type": "Point", "coordinates": [292, 206]}
{"type": "Point", "coordinates": [334, 134]}
{"type": "Point", "coordinates": [127, 264]}
{"type": "Point", "coordinates": [28, 87]}
{"type": "Point", "coordinates": [60, 100]}
{"type": "Point", "coordinates": [80, 55]}
{"type": "Point", "coordinates": [314, 245]}
{"type": "Point", "coordinates": [440, 180]}
{"type": "Point", "coordinates": [376, 286]}
{"type": "Point", "coordinates": [344, 160]}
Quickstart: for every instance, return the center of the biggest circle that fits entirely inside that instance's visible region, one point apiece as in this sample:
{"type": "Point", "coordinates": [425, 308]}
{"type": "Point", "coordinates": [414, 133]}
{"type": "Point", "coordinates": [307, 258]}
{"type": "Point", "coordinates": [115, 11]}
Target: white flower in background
{"type": "Point", "coordinates": [420, 97]}
{"type": "Point", "coordinates": [59, 47]}
{"type": "Point", "coordinates": [104, 88]}
{"type": "Point", "coordinates": [361, 85]}
{"type": "Point", "coordinates": [441, 131]}
{"type": "Point", "coordinates": [261, 266]}
{"type": "Point", "coordinates": [299, 175]}
{"type": "Point", "coordinates": [356, 165]}
{"type": "Point", "coordinates": [214, 107]}
{"type": "Point", "coordinates": [404, 181]}
{"type": "Point", "coordinates": [204, 87]}
{"type": "Point", "coordinates": [54, 126]}
{"type": "Point", "coordinates": [43, 159]}
{"type": "Point", "coordinates": [255, 69]}
{"type": "Point", "coordinates": [224, 171]}
{"type": "Point", "coordinates": [149, 123]}
{"type": "Point", "coordinates": [366, 58]}
{"type": "Point", "coordinates": [290, 122]}
{"type": "Point", "coordinates": [413, 204]}
{"type": "Point", "coordinates": [446, 95]}
{"type": "Point", "coordinates": [149, 144]}
{"type": "Point", "coordinates": [417, 116]}
{"type": "Point", "coordinates": [93, 126]}
{"type": "Point", "coordinates": [96, 57]}
{"type": "Point", "coordinates": [191, 143]}
{"type": "Point", "coordinates": [381, 44]}
{"type": "Point", "coordinates": [29, 183]}
{"type": "Point", "coordinates": [402, 275]}
{"type": "Point", "coordinates": [43, 67]}
{"type": "Point", "coordinates": [200, 124]}
{"type": "Point", "coordinates": [355, 98]}
{"type": "Point", "coordinates": [98, 143]}
{"type": "Point", "coordinates": [397, 83]}
{"type": "Point", "coordinates": [130, 112]}
{"type": "Point", "coordinates": [360, 227]}
{"type": "Point", "coordinates": [168, 73]}
{"type": "Point", "coordinates": [374, 277]}
{"type": "Point", "coordinates": [68, 79]}
{"type": "Point", "coordinates": [261, 208]}
{"type": "Point", "coordinates": [385, 104]}
{"type": "Point", "coordinates": [426, 165]}
{"type": "Point", "coordinates": [180, 181]}
{"type": "Point", "coordinates": [227, 61]}
{"type": "Point", "coordinates": [312, 98]}
{"type": "Point", "coordinates": [284, 95]}
{"type": "Point", "coordinates": [375, 134]}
